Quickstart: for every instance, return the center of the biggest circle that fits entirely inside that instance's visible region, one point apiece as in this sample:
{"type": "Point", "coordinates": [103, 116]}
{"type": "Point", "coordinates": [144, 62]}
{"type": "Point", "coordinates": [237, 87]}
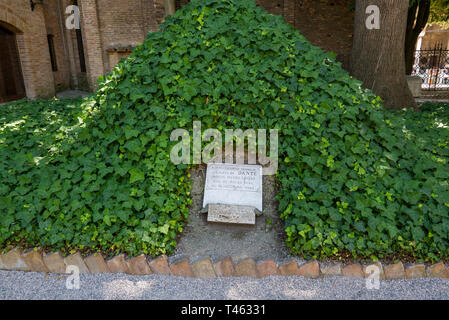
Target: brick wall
{"type": "Point", "coordinates": [55, 26]}
{"type": "Point", "coordinates": [157, 14]}
{"type": "Point", "coordinates": [327, 24]}
{"type": "Point", "coordinates": [434, 37]}
{"type": "Point", "coordinates": [108, 26]}
{"type": "Point", "coordinates": [121, 25]}
{"type": "Point", "coordinates": [111, 25]}
{"type": "Point", "coordinates": [32, 45]}
{"type": "Point", "coordinates": [93, 46]}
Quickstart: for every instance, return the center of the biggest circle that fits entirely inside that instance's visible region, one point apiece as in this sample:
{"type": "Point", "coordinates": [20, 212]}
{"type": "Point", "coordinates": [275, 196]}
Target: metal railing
{"type": "Point", "coordinates": [433, 68]}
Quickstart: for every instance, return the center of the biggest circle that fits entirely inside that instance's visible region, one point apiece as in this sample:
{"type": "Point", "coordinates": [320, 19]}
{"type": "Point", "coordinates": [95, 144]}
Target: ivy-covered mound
{"type": "Point", "coordinates": [351, 180]}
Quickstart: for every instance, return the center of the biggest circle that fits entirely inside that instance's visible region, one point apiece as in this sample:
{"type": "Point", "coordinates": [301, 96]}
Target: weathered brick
{"type": "Point", "coordinates": [160, 265]}
{"type": "Point", "coordinates": [182, 268]}
{"type": "Point", "coordinates": [110, 26]}
{"type": "Point", "coordinates": [35, 261]}
{"type": "Point", "coordinates": [331, 270]}
{"type": "Point", "coordinates": [377, 267]}
{"type": "Point", "coordinates": [394, 271]}
{"type": "Point", "coordinates": [246, 268]}
{"type": "Point", "coordinates": [267, 268]}
{"type": "Point", "coordinates": [224, 267]}
{"type": "Point", "coordinates": [289, 269]}
{"type": "Point", "coordinates": [416, 271]}
{"type": "Point", "coordinates": [353, 270]}
{"type": "Point", "coordinates": [310, 270]}
{"type": "Point", "coordinates": [37, 76]}
{"type": "Point", "coordinates": [204, 269]}
{"type": "Point", "coordinates": [76, 260]}
{"type": "Point", "coordinates": [118, 264]}
{"type": "Point", "coordinates": [96, 263]}
{"type": "Point", "coordinates": [139, 265]}
{"type": "Point", "coordinates": [438, 270]}
{"type": "Point", "coordinates": [13, 260]}
{"type": "Point", "coordinates": [55, 262]}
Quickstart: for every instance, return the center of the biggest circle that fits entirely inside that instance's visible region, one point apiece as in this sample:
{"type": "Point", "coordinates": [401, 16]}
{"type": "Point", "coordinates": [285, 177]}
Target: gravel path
{"type": "Point", "coordinates": [30, 285]}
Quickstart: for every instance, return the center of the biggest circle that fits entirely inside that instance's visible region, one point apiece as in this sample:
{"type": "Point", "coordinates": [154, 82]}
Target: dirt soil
{"type": "Point", "coordinates": [263, 241]}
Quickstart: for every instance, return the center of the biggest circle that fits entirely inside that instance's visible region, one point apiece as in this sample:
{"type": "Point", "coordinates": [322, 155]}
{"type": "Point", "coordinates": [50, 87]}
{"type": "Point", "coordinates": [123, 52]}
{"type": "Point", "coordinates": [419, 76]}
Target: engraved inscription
{"type": "Point", "coordinates": [233, 184]}
{"type": "Point", "coordinates": [234, 178]}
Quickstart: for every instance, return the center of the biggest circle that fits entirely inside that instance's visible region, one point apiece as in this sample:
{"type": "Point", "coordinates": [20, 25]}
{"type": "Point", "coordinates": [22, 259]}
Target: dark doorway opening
{"type": "Point", "coordinates": [79, 42]}
{"type": "Point", "coordinates": [11, 79]}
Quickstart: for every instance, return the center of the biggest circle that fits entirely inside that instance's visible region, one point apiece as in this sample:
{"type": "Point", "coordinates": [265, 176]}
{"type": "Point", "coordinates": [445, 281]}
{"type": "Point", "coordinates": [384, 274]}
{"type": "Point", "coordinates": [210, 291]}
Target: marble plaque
{"type": "Point", "coordinates": [233, 184]}
{"type": "Point", "coordinates": [224, 213]}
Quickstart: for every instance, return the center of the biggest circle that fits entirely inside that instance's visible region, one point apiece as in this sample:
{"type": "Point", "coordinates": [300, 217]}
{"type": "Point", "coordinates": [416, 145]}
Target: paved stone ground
{"type": "Point", "coordinates": [434, 97]}
{"type": "Point", "coordinates": [37, 286]}
{"type": "Point", "coordinates": [424, 100]}
{"type": "Point", "coordinates": [71, 94]}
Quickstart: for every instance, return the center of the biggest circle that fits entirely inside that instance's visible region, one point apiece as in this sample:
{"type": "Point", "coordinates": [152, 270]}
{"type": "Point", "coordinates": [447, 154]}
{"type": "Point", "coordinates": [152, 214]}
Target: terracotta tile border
{"type": "Point", "coordinates": [37, 261]}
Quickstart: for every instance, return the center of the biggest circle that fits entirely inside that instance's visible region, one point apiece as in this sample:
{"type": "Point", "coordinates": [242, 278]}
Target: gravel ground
{"type": "Point", "coordinates": [39, 286]}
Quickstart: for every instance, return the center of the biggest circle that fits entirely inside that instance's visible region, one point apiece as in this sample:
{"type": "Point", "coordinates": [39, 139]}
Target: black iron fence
{"type": "Point", "coordinates": [433, 68]}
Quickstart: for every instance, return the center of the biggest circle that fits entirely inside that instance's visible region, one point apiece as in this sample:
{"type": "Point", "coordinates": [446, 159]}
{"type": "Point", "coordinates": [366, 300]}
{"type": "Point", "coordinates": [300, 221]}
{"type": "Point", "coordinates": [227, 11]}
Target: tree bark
{"type": "Point", "coordinates": [415, 24]}
{"type": "Point", "coordinates": [378, 55]}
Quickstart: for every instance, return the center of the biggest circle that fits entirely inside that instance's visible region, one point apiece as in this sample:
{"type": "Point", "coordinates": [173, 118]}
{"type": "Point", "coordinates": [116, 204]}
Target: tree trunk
{"type": "Point", "coordinates": [378, 57]}
{"type": "Point", "coordinates": [415, 24]}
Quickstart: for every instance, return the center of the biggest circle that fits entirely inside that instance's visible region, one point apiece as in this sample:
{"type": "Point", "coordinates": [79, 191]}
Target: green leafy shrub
{"type": "Point", "coordinates": [353, 178]}
{"type": "Point", "coordinates": [31, 130]}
